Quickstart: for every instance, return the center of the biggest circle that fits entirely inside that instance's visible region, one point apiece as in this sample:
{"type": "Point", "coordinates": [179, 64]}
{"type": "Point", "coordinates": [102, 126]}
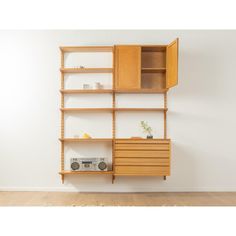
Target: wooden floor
{"type": "Point", "coordinates": [117, 199]}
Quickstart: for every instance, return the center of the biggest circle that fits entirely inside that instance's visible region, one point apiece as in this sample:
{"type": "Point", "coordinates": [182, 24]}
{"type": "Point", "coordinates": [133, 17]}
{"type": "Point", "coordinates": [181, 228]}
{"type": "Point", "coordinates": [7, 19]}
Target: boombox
{"type": "Point", "coordinates": [88, 164]}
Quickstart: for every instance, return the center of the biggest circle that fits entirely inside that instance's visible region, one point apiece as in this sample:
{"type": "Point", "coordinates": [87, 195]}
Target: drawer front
{"type": "Point", "coordinates": [142, 154]}
{"type": "Point", "coordinates": [141, 162]}
{"type": "Point", "coordinates": [154, 145]}
{"type": "Point", "coordinates": [142, 170]}
{"type": "Point", "coordinates": [141, 146]}
{"type": "Point", "coordinates": [142, 141]}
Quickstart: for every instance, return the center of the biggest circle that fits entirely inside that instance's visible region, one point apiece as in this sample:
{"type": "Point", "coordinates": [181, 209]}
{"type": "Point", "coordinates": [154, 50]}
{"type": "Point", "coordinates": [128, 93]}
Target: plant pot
{"type": "Point", "coordinates": [149, 136]}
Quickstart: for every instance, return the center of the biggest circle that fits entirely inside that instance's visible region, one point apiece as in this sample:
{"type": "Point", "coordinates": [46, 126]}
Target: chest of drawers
{"type": "Point", "coordinates": [144, 157]}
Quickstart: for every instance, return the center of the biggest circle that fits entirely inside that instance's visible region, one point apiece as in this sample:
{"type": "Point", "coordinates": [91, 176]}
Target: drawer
{"type": "Point", "coordinates": [142, 141]}
{"type": "Point", "coordinates": [142, 154]}
{"type": "Point", "coordinates": [143, 170]}
{"type": "Point", "coordinates": [142, 146]}
{"type": "Point", "coordinates": [141, 162]}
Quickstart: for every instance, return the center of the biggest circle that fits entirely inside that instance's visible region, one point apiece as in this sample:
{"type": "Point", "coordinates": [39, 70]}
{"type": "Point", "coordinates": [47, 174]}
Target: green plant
{"type": "Point", "coordinates": [146, 128]}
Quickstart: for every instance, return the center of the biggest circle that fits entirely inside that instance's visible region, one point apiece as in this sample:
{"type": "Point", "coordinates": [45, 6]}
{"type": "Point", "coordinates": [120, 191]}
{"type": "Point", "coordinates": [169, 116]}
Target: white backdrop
{"type": "Point", "coordinates": [201, 116]}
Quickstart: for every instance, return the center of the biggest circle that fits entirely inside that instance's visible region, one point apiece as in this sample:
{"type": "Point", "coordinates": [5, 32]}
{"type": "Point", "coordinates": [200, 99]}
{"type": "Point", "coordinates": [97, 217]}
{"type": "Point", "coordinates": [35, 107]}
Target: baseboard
{"type": "Point", "coordinates": [118, 190]}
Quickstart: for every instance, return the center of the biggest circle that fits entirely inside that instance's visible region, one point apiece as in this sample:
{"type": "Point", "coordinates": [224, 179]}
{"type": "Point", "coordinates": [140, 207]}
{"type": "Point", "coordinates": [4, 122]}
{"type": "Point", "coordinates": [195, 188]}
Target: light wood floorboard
{"type": "Point", "coordinates": [117, 199]}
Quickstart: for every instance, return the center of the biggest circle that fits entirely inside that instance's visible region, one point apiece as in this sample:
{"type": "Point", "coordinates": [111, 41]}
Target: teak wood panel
{"type": "Point", "coordinates": [86, 172]}
{"type": "Point", "coordinates": [154, 59]}
{"type": "Point", "coordinates": [154, 91]}
{"type": "Point", "coordinates": [142, 170]}
{"type": "Point", "coordinates": [172, 64]}
{"type": "Point", "coordinates": [142, 161]}
{"type": "Point", "coordinates": [153, 48]}
{"type": "Point", "coordinates": [141, 154]}
{"type": "Point", "coordinates": [142, 147]}
{"type": "Point", "coordinates": [142, 157]}
{"type": "Point", "coordinates": [153, 70]}
{"type": "Point", "coordinates": [78, 91]}
{"type": "Point", "coordinates": [143, 141]}
{"type": "Point", "coordinates": [87, 49]}
{"type": "Point", "coordinates": [153, 81]}
{"type": "Point", "coordinates": [86, 70]}
{"type": "Point", "coordinates": [127, 67]}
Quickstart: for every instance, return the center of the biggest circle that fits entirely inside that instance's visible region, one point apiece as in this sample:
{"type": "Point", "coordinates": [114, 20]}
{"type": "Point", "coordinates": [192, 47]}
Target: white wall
{"type": "Point", "coordinates": [201, 117]}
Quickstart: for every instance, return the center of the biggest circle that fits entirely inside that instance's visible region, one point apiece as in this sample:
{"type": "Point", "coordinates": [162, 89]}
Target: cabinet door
{"type": "Point", "coordinates": [172, 64]}
{"type": "Point", "coordinates": [127, 67]}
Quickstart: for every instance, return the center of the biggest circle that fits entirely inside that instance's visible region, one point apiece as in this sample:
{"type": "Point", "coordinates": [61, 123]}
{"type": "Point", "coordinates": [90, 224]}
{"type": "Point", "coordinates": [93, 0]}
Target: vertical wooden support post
{"type": "Point", "coordinates": [62, 118]}
{"type": "Point", "coordinates": [62, 178]}
{"type": "Point", "coordinates": [165, 120]}
{"type": "Point", "coordinates": [113, 178]}
{"type": "Point", "coordinates": [113, 115]}
{"type": "Point", "coordinates": [165, 115]}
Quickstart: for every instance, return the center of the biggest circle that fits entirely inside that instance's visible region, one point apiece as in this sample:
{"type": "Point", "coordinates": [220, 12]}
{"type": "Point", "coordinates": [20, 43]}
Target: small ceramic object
{"type": "Point", "coordinates": [97, 85]}
{"type": "Point", "coordinates": [81, 67]}
{"type": "Point", "coordinates": [86, 86]}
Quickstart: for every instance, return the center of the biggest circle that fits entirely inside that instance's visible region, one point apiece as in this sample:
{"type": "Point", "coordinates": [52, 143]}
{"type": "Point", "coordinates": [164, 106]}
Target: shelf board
{"type": "Point", "coordinates": [87, 49]}
{"type": "Point", "coordinates": [153, 70]}
{"type": "Point", "coordinates": [112, 109]}
{"type": "Point", "coordinates": [78, 91]}
{"type": "Point", "coordinates": [86, 109]}
{"type": "Point", "coordinates": [86, 70]}
{"type": "Point", "coordinates": [85, 140]}
{"type": "Point", "coordinates": [153, 48]}
{"type": "Point", "coordinates": [140, 174]}
{"type": "Point", "coordinates": [141, 90]}
{"type": "Point", "coordinates": [140, 109]}
{"type": "Point", "coordinates": [86, 172]}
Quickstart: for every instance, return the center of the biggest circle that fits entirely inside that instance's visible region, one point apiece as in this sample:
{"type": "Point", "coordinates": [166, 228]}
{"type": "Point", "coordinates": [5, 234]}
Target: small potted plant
{"type": "Point", "coordinates": [146, 129]}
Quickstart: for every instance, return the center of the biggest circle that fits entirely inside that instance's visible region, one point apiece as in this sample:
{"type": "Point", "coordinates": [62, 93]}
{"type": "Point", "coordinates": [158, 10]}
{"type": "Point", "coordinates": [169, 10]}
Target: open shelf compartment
{"type": "Point", "coordinates": [153, 67]}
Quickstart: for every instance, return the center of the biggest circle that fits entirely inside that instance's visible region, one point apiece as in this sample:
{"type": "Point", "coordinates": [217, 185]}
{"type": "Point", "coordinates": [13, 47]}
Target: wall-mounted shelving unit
{"type": "Point", "coordinates": [147, 69]}
{"type": "Point", "coordinates": [63, 109]}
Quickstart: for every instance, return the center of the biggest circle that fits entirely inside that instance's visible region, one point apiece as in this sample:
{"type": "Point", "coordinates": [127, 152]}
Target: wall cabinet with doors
{"type": "Point", "coordinates": [136, 69]}
{"type": "Point", "coordinates": [146, 66]}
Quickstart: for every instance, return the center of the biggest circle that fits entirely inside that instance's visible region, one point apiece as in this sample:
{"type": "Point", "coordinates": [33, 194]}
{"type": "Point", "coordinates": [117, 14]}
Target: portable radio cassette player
{"type": "Point", "coordinates": [88, 164]}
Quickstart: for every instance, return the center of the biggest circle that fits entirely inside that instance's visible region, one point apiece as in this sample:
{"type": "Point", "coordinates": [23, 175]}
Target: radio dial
{"type": "Point", "coordinates": [102, 165]}
{"type": "Point", "coordinates": [75, 165]}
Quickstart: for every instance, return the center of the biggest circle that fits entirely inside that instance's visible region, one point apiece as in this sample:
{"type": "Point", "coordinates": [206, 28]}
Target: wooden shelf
{"type": "Point", "coordinates": [86, 172]}
{"type": "Point", "coordinates": [153, 70]}
{"type": "Point", "coordinates": [141, 90]}
{"type": "Point", "coordinates": [85, 140]}
{"type": "Point", "coordinates": [86, 109]}
{"type": "Point", "coordinates": [141, 174]}
{"type": "Point", "coordinates": [86, 70]}
{"type": "Point", "coordinates": [87, 49]}
{"type": "Point", "coordinates": [78, 91]}
{"type": "Point", "coordinates": [112, 109]}
{"type": "Point", "coordinates": [153, 48]}
{"type": "Point", "coordinates": [140, 109]}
